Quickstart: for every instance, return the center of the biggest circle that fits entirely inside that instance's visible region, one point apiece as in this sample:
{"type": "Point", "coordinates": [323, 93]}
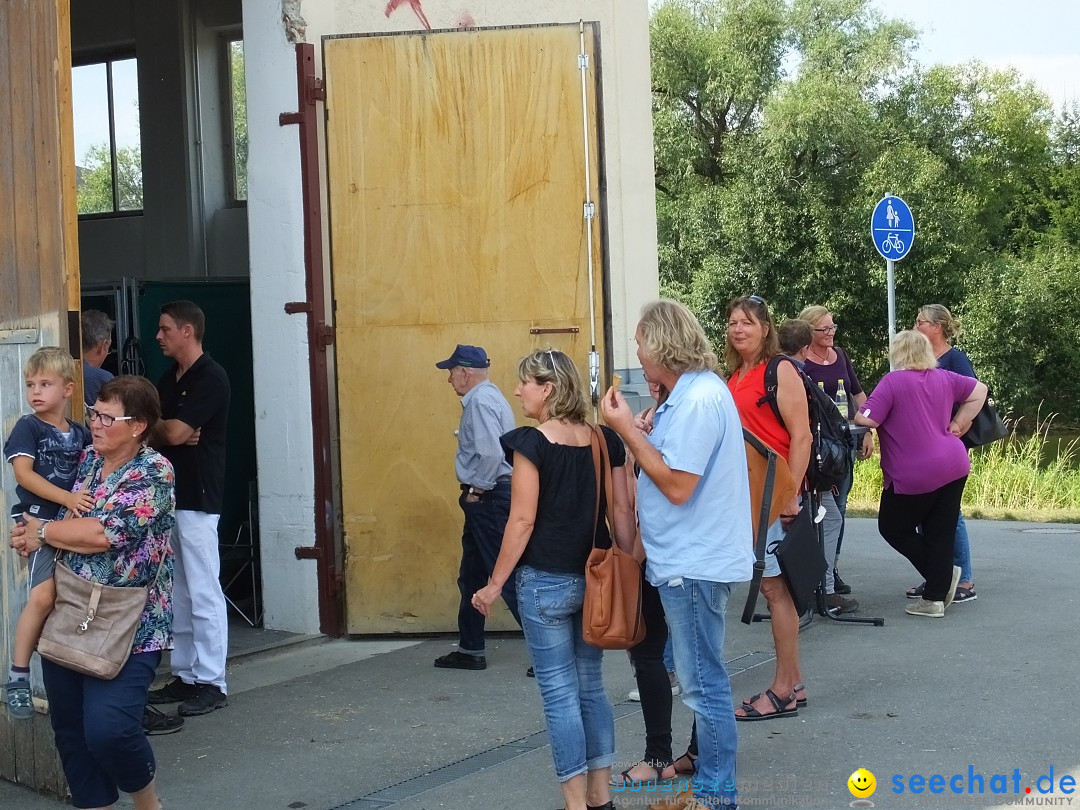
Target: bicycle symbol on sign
{"type": "Point", "coordinates": [892, 244]}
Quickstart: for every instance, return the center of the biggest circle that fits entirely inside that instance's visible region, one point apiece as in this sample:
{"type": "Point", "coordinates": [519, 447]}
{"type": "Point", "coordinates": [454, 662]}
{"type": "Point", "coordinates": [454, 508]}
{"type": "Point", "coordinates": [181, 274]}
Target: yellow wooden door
{"type": "Point", "coordinates": [456, 189]}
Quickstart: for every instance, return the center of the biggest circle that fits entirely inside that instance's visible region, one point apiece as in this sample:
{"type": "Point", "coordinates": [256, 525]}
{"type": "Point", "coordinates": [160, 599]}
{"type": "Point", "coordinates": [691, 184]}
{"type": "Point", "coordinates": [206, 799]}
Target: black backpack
{"type": "Point", "coordinates": [830, 435]}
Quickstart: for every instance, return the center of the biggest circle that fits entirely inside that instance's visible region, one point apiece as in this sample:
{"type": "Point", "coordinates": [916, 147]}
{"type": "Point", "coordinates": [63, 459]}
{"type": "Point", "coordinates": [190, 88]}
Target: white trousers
{"type": "Point", "coordinates": [200, 624]}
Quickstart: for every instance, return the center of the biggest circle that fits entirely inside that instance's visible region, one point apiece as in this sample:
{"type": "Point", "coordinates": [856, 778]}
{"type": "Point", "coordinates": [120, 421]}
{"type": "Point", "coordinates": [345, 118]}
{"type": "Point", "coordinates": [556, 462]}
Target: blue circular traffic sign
{"type": "Point", "coordinates": [892, 227]}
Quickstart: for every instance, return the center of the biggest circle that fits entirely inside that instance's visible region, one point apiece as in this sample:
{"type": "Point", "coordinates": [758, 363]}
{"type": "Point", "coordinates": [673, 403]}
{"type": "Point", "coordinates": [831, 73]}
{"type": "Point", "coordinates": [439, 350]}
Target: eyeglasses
{"type": "Point", "coordinates": [105, 419]}
{"type": "Point", "coordinates": [922, 321]}
{"type": "Point", "coordinates": [826, 330]}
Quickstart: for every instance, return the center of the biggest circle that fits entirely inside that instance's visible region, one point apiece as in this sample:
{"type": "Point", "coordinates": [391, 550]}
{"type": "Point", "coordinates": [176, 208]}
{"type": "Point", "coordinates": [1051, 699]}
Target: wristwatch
{"type": "Point", "coordinates": [41, 532]}
{"type": "Point", "coordinates": [476, 492]}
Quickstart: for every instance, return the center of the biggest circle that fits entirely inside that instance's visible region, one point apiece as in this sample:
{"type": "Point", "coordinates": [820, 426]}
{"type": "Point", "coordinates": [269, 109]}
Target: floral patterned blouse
{"type": "Point", "coordinates": [137, 506]}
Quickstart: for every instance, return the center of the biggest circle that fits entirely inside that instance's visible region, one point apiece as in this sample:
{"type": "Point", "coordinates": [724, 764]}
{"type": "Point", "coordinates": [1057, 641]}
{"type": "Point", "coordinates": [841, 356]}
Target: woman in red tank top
{"type": "Point", "coordinates": [751, 343]}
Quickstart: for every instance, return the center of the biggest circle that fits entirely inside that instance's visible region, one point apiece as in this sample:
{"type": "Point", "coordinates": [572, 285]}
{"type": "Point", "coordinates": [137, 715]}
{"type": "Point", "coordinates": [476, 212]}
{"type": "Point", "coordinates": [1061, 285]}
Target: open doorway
{"type": "Point", "coordinates": [160, 124]}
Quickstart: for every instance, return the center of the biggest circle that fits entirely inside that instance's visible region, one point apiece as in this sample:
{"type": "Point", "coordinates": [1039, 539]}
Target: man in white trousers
{"type": "Point", "coordinates": [191, 434]}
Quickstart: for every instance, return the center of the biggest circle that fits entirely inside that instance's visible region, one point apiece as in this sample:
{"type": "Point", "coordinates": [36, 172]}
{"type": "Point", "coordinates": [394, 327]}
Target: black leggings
{"type": "Point", "coordinates": [652, 678]}
{"type": "Point", "coordinates": [931, 550]}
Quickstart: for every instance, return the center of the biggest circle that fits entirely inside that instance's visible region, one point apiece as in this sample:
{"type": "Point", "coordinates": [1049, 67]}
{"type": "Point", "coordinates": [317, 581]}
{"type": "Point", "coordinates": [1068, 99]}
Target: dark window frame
{"type": "Point", "coordinates": [108, 58]}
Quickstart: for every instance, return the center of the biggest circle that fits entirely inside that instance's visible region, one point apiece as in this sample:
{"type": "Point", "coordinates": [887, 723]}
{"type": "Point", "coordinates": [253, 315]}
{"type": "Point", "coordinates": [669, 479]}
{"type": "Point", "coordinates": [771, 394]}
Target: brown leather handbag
{"type": "Point", "coordinates": [92, 626]}
{"type": "Point", "coordinates": [611, 616]}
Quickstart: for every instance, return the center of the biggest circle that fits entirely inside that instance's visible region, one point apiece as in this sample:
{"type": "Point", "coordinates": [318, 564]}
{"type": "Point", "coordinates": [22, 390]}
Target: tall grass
{"type": "Point", "coordinates": [1029, 477]}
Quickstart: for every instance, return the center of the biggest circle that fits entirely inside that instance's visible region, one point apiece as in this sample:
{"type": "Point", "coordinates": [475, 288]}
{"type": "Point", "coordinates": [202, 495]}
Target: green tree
{"type": "Point", "coordinates": [238, 101]}
{"type": "Point", "coordinates": [778, 125]}
{"type": "Point", "coordinates": [94, 181]}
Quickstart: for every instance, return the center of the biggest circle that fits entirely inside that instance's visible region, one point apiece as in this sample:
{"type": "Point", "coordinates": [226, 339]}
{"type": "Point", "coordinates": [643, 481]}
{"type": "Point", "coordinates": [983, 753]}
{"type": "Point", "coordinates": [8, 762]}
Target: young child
{"type": "Point", "coordinates": [44, 449]}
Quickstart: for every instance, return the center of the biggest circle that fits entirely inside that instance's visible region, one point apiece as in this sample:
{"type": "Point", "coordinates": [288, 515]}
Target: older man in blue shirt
{"type": "Point", "coordinates": [484, 475]}
{"type": "Point", "coordinates": [694, 510]}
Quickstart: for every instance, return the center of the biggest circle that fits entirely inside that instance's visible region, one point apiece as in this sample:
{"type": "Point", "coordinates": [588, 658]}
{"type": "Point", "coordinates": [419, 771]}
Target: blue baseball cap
{"type": "Point", "coordinates": [467, 356]}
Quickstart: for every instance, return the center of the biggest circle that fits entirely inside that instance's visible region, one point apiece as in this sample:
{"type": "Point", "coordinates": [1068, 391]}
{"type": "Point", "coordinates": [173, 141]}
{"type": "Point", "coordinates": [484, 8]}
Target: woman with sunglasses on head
{"type": "Point", "coordinates": [551, 531]}
{"type": "Point", "coordinates": [826, 364]}
{"type": "Point", "coordinates": [941, 328]}
{"type": "Point", "coordinates": [751, 343]}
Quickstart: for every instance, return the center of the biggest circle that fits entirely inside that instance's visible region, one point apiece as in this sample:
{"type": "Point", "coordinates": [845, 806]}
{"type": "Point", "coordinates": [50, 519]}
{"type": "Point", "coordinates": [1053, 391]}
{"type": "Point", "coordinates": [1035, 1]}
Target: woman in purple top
{"type": "Point", "coordinates": [826, 364]}
{"type": "Point", "coordinates": [925, 464]}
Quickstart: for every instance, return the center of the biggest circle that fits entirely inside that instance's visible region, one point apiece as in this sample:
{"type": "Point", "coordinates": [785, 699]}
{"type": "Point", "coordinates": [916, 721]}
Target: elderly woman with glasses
{"type": "Point", "coordinates": [123, 541]}
{"type": "Point", "coordinates": [551, 531]}
{"type": "Point", "coordinates": [827, 364]}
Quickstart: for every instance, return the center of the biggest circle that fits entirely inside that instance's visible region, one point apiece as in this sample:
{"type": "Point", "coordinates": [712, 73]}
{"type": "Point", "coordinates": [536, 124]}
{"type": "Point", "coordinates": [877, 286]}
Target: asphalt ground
{"type": "Point", "coordinates": [988, 690]}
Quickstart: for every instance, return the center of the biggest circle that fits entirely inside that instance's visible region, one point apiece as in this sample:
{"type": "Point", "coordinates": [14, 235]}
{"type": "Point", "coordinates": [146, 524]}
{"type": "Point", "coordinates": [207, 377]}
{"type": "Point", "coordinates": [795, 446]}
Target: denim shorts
{"type": "Point", "coordinates": [772, 540]}
{"type": "Point", "coordinates": [40, 566]}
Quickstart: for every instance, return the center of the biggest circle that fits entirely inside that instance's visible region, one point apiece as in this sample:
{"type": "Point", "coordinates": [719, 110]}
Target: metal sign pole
{"type": "Point", "coordinates": [892, 227]}
{"type": "Point", "coordinates": [890, 282]}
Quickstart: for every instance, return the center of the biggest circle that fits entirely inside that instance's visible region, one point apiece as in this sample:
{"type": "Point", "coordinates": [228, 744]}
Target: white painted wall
{"type": "Point", "coordinates": [283, 407]}
{"type": "Point", "coordinates": [282, 395]}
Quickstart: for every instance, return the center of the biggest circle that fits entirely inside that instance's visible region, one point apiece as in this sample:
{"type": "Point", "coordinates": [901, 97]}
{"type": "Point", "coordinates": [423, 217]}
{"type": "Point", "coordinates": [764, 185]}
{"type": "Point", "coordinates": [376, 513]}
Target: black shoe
{"type": "Point", "coordinates": [157, 722]}
{"type": "Point", "coordinates": [460, 660]}
{"type": "Point", "coordinates": [529, 673]}
{"type": "Point", "coordinates": [839, 586]}
{"type": "Point", "coordinates": [174, 691]}
{"type": "Point", "coordinates": [207, 699]}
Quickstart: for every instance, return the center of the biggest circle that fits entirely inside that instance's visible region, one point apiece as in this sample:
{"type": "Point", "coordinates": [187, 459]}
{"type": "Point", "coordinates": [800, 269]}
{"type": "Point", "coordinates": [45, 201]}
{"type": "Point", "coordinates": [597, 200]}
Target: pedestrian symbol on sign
{"type": "Point", "coordinates": [892, 228]}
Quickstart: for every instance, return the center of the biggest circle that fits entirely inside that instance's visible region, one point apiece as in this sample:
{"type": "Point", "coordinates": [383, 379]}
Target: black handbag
{"type": "Point", "coordinates": [986, 427]}
{"type": "Point", "coordinates": [802, 562]}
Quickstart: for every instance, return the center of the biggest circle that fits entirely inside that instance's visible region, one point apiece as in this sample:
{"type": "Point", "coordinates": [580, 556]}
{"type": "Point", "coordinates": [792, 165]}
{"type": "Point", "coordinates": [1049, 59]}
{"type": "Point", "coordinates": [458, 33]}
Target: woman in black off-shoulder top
{"type": "Point", "coordinates": [550, 532]}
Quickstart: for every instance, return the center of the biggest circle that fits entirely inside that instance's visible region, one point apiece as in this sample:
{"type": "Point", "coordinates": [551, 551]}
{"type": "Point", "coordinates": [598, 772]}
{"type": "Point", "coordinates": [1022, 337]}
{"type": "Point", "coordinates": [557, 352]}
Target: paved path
{"type": "Point", "coordinates": [370, 725]}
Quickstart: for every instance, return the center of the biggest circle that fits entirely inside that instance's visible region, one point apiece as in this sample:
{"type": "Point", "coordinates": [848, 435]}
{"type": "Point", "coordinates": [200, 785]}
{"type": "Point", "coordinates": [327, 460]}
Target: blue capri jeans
{"type": "Point", "coordinates": [98, 729]}
{"type": "Point", "coordinates": [579, 719]}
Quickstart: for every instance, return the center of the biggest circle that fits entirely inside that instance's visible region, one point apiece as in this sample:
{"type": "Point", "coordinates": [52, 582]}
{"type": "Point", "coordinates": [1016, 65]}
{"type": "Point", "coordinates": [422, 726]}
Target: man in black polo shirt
{"type": "Point", "coordinates": [191, 434]}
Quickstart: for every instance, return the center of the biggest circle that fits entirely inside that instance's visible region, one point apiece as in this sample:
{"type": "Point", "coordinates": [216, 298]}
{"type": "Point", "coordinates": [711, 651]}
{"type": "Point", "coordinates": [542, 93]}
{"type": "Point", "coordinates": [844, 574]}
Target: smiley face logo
{"type": "Point", "coordinates": [862, 784]}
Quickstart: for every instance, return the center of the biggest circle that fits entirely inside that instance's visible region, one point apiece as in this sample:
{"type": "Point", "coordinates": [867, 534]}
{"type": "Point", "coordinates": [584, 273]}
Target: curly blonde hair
{"type": "Point", "coordinates": [670, 335]}
{"type": "Point", "coordinates": [912, 350]}
{"type": "Point", "coordinates": [567, 401]}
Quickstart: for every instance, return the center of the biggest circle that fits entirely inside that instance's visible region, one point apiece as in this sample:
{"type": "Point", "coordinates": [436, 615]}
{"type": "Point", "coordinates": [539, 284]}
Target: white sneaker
{"type": "Point", "coordinates": [951, 593]}
{"type": "Point", "coordinates": [933, 610]}
{"type": "Point", "coordinates": [634, 695]}
{"type": "Point", "coordinates": [676, 687]}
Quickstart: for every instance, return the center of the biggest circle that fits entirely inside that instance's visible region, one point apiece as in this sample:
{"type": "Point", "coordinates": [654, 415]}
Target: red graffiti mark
{"type": "Point", "coordinates": [418, 10]}
{"type": "Point", "coordinates": [466, 21]}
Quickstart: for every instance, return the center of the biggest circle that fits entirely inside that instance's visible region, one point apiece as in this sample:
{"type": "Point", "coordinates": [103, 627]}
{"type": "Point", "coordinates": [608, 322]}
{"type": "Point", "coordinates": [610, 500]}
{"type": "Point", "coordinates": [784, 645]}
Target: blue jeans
{"type": "Point", "coordinates": [579, 720]}
{"type": "Point", "coordinates": [669, 655]}
{"type": "Point", "coordinates": [98, 729]}
{"type": "Point", "coordinates": [962, 551]}
{"type": "Point", "coordinates": [481, 539]}
{"type": "Point", "coordinates": [695, 614]}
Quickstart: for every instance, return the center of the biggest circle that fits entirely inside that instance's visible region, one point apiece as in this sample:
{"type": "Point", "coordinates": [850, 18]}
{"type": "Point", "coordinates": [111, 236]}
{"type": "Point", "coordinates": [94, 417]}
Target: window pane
{"type": "Point", "coordinates": [129, 185]}
{"type": "Point", "coordinates": [238, 102]}
{"type": "Point", "coordinates": [93, 149]}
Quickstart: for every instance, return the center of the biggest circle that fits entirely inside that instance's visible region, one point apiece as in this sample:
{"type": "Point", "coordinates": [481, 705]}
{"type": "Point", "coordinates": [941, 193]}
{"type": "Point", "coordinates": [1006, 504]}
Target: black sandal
{"type": "Point", "coordinates": [628, 782]}
{"type": "Point", "coordinates": [753, 714]}
{"type": "Point", "coordinates": [687, 770]}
